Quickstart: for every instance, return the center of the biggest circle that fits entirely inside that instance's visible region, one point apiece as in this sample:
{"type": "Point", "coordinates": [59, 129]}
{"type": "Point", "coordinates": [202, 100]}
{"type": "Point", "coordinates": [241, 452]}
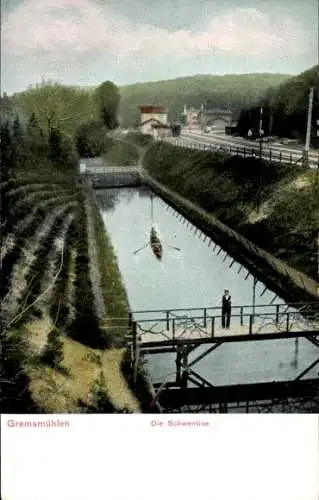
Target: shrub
{"type": "Point", "coordinates": [118, 152]}
{"type": "Point", "coordinates": [91, 139]}
{"type": "Point", "coordinates": [15, 395]}
{"type": "Point", "coordinates": [100, 402]}
{"type": "Point", "coordinates": [53, 351]}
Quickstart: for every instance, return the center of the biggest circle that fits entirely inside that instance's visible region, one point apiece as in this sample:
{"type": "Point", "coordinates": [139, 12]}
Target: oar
{"type": "Point", "coordinates": [175, 248]}
{"type": "Point", "coordinates": [144, 246]}
{"type": "Point", "coordinates": [152, 209]}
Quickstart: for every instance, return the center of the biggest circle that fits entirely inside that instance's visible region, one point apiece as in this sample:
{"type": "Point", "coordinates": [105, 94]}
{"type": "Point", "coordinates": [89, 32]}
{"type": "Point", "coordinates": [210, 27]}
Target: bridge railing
{"type": "Point", "coordinates": [178, 328]}
{"type": "Point", "coordinates": [267, 154]}
{"type": "Point", "coordinates": [105, 170]}
{"type": "Point", "coordinates": [307, 309]}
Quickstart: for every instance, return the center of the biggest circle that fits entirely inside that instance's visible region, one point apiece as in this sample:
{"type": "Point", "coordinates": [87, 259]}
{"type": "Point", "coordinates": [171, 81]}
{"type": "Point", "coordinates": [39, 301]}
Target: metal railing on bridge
{"type": "Point", "coordinates": [105, 170]}
{"type": "Point", "coordinates": [159, 326]}
{"type": "Point", "coordinates": [103, 176]}
{"type": "Point", "coordinates": [246, 152]}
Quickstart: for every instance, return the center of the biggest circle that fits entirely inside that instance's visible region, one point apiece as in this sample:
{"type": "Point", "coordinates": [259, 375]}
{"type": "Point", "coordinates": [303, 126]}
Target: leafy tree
{"type": "Point", "coordinates": [69, 158]}
{"type": "Point", "coordinates": [19, 151]}
{"type": "Point", "coordinates": [17, 131]}
{"type": "Point", "coordinates": [107, 98]}
{"type": "Point", "coordinates": [55, 144]}
{"type": "Point", "coordinates": [62, 151]}
{"type": "Point", "coordinates": [55, 106]}
{"type": "Point", "coordinates": [6, 162]}
{"type": "Point", "coordinates": [35, 136]}
{"type": "Point", "coordinates": [286, 108]}
{"type": "Point", "coordinates": [6, 151]}
{"type": "Point", "coordinates": [6, 108]}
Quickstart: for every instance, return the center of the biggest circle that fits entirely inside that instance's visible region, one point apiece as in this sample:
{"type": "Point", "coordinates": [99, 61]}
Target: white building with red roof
{"type": "Point", "coordinates": [154, 121]}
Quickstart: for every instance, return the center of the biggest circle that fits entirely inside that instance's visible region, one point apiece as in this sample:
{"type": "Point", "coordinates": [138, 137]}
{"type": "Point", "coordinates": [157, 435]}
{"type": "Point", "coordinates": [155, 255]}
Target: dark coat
{"type": "Point", "coordinates": [226, 304]}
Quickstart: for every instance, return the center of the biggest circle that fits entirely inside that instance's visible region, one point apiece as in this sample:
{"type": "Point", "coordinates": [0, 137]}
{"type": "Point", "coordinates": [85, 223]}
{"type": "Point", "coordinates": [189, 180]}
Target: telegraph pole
{"type": "Point", "coordinates": [271, 120]}
{"type": "Point", "coordinates": [308, 134]}
{"type": "Point", "coordinates": [255, 281]}
{"type": "Point", "coordinates": [261, 132]}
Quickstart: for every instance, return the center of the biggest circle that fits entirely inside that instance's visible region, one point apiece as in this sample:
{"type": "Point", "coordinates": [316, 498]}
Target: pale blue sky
{"type": "Point", "coordinates": [87, 41]}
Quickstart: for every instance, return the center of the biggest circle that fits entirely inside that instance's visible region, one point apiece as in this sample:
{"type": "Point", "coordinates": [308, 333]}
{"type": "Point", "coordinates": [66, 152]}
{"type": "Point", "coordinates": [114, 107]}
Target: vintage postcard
{"type": "Point", "coordinates": [160, 248]}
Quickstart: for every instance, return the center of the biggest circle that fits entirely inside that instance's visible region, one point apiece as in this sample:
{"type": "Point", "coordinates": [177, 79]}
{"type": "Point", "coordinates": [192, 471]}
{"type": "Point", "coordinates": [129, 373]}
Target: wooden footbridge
{"type": "Point", "coordinates": [181, 331]}
{"type": "Point", "coordinates": [168, 328]}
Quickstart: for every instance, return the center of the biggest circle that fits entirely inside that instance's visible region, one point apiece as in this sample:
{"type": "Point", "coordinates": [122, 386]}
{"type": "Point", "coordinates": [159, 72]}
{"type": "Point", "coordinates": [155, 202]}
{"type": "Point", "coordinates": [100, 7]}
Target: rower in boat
{"type": "Point", "coordinates": [156, 244]}
{"type": "Point", "coordinates": [154, 241]}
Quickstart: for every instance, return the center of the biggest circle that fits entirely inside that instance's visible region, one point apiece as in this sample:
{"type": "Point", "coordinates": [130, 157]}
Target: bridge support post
{"type": "Point", "coordinates": [167, 320]}
{"type": "Point", "coordinates": [223, 407]}
{"type": "Point", "coordinates": [130, 320]}
{"type": "Point", "coordinates": [204, 354]}
{"type": "Point", "coordinates": [178, 362]}
{"type": "Point", "coordinates": [277, 313]}
{"type": "Point", "coordinates": [184, 377]}
{"type": "Point", "coordinates": [135, 352]}
{"type": "Point", "coordinates": [295, 361]}
{"type": "Point", "coordinates": [254, 297]}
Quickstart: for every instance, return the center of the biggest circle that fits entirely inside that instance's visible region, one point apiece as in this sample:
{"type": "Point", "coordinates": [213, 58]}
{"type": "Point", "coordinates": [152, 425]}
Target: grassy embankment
{"type": "Point", "coordinates": [61, 287]}
{"type": "Point", "coordinates": [126, 150]}
{"type": "Point", "coordinates": [274, 206]}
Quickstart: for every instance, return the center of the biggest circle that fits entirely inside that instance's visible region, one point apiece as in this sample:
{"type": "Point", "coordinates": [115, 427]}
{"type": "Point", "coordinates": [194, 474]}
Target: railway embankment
{"type": "Point", "coordinates": [256, 211]}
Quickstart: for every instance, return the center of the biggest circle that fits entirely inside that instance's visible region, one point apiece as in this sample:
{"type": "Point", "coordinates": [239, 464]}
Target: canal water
{"type": "Point", "coordinates": [193, 277]}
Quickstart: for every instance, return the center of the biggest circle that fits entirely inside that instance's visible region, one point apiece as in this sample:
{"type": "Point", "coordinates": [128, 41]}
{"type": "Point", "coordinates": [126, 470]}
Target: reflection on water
{"type": "Point", "coordinates": [194, 277]}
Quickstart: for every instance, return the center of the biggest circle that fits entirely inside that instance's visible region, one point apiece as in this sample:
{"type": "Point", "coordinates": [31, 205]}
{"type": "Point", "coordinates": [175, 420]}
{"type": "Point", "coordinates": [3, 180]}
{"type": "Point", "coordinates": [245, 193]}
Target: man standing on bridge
{"type": "Point", "coordinates": [226, 309]}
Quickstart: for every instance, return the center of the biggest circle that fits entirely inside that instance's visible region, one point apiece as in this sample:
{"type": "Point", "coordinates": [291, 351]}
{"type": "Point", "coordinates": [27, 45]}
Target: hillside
{"type": "Point", "coordinates": [274, 206]}
{"type": "Point", "coordinates": [61, 286]}
{"type": "Point", "coordinates": [285, 108]}
{"type": "Point", "coordinates": [235, 91]}
{"type": "Point", "coordinates": [70, 107]}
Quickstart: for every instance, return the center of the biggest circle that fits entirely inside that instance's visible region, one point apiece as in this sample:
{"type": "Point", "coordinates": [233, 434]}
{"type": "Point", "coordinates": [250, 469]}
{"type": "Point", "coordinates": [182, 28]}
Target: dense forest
{"type": "Point", "coordinates": [233, 91]}
{"type": "Point", "coordinates": [285, 108]}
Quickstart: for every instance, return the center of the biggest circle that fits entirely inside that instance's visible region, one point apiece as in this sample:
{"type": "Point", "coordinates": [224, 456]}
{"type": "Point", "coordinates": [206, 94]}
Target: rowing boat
{"type": "Point", "coordinates": [156, 244]}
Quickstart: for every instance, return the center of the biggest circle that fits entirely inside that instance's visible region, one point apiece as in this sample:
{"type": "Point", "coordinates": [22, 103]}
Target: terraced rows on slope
{"type": "Point", "coordinates": [51, 279]}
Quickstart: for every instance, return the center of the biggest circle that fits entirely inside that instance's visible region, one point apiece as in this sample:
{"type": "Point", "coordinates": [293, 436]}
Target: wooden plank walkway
{"type": "Point", "coordinates": [235, 332]}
